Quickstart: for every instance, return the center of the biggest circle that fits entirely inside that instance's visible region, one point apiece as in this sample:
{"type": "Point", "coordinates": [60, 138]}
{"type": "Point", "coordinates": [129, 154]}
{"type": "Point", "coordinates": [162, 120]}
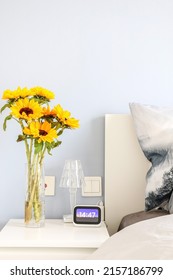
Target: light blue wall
{"type": "Point", "coordinates": [97, 56]}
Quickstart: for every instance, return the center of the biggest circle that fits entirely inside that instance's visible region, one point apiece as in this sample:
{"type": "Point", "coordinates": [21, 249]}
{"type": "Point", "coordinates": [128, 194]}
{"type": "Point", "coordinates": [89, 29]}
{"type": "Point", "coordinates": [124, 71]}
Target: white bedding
{"type": "Point", "coordinates": [147, 240]}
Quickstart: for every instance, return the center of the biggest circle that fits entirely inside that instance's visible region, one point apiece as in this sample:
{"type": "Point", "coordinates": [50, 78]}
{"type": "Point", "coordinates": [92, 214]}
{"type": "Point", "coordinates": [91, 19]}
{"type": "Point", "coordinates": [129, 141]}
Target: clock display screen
{"type": "Point", "coordinates": [87, 215]}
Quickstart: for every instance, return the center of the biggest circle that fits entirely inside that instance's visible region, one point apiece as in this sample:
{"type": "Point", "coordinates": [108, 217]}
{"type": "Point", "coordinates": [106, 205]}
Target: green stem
{"type": "Point", "coordinates": [35, 162]}
{"type": "Point", "coordinates": [42, 155]}
{"type": "Point", "coordinates": [26, 142]}
{"type": "Point", "coordinates": [33, 202]}
{"type": "Point", "coordinates": [30, 150]}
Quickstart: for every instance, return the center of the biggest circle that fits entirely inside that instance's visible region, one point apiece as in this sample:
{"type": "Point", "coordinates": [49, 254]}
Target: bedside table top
{"type": "Point", "coordinates": [55, 233]}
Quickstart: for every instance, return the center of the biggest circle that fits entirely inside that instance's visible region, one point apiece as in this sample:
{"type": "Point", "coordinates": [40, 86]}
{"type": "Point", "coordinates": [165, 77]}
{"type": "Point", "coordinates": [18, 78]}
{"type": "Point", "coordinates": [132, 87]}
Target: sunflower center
{"type": "Point", "coordinates": [42, 132]}
{"type": "Point", "coordinates": [26, 110]}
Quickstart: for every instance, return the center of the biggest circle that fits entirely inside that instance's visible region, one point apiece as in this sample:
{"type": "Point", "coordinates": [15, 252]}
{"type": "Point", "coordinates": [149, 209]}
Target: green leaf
{"type": "Point", "coordinates": [60, 132]}
{"type": "Point", "coordinates": [57, 143]}
{"type": "Point", "coordinates": [58, 125]}
{"type": "Point", "coordinates": [21, 138]}
{"type": "Point", "coordinates": [48, 147]}
{"type": "Point", "coordinates": [52, 145]}
{"type": "Point", "coordinates": [5, 121]}
{"type": "Point", "coordinates": [49, 151]}
{"type": "Point", "coordinates": [41, 99]}
{"type": "Point", "coordinates": [38, 147]}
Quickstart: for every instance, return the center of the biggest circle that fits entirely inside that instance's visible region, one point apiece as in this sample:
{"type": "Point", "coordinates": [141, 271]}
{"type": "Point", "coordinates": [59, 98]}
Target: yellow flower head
{"type": "Point", "coordinates": [65, 117]}
{"type": "Point", "coordinates": [26, 109]}
{"type": "Point", "coordinates": [61, 113]}
{"type": "Point", "coordinates": [39, 91]}
{"type": "Point", "coordinates": [42, 131]}
{"type": "Point", "coordinates": [14, 94]}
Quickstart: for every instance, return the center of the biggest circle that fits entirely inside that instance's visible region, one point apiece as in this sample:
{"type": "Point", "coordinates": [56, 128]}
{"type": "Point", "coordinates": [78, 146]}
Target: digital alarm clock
{"type": "Point", "coordinates": [87, 215]}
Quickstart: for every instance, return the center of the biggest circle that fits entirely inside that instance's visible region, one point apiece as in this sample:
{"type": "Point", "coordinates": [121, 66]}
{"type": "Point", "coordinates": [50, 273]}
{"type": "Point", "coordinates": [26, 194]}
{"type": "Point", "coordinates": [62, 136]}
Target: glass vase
{"type": "Point", "coordinates": [35, 195]}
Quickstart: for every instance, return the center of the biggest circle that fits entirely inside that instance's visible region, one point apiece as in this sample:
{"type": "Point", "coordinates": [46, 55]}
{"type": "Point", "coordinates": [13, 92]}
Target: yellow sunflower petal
{"type": "Point", "coordinates": [27, 131]}
{"type": "Point", "coordinates": [34, 128]}
{"type": "Point", "coordinates": [72, 122]}
{"type": "Point", "coordinates": [45, 126]}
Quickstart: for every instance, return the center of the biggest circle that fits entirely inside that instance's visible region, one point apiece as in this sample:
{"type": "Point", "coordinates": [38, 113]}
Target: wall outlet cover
{"type": "Point", "coordinates": [49, 185]}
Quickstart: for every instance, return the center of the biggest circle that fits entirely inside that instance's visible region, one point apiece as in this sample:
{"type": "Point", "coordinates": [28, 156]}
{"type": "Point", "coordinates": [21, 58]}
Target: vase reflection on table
{"type": "Point", "coordinates": [41, 127]}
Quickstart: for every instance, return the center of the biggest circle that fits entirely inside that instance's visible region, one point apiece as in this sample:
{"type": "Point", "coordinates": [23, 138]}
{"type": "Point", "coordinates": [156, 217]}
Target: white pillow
{"type": "Point", "coordinates": [154, 129]}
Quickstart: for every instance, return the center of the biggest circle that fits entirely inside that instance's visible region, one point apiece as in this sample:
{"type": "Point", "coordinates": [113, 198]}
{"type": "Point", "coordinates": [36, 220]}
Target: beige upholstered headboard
{"type": "Point", "coordinates": [125, 170]}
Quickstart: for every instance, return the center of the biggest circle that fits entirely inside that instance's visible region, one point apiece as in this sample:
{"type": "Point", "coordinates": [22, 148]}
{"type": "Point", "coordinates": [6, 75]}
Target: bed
{"type": "Point", "coordinates": [145, 240]}
{"type": "Point", "coordinates": [134, 232]}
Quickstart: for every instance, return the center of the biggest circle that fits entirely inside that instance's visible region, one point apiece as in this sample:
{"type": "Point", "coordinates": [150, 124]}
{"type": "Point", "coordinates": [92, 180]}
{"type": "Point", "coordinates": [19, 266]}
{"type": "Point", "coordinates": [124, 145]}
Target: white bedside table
{"type": "Point", "coordinates": [57, 240]}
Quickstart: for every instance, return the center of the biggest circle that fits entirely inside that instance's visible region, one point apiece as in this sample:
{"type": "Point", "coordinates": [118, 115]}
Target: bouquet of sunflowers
{"type": "Point", "coordinates": [41, 127]}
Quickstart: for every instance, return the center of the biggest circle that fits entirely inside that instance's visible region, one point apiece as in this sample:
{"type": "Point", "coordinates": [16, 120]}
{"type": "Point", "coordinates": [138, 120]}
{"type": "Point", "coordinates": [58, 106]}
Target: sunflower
{"type": "Point", "coordinates": [47, 112]}
{"type": "Point", "coordinates": [64, 117]}
{"type": "Point", "coordinates": [41, 131]}
{"type": "Point", "coordinates": [39, 91]}
{"type": "Point", "coordinates": [61, 113]}
{"type": "Point", "coordinates": [26, 109]}
{"type": "Point", "coordinates": [14, 94]}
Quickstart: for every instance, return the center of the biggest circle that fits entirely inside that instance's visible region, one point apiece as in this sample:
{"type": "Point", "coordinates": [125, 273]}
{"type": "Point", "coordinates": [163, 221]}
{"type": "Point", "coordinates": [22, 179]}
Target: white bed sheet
{"type": "Point", "coordinates": [146, 240]}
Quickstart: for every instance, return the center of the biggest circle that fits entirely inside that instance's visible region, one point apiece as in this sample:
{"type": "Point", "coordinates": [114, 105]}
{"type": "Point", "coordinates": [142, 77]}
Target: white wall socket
{"type": "Point", "coordinates": [49, 185]}
{"type": "Point", "coordinates": [93, 186]}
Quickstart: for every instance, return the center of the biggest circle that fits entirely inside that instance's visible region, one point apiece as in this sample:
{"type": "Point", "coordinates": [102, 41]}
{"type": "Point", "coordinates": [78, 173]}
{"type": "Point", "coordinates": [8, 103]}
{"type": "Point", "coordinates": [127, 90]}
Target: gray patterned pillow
{"type": "Point", "coordinates": [154, 129]}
